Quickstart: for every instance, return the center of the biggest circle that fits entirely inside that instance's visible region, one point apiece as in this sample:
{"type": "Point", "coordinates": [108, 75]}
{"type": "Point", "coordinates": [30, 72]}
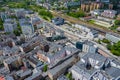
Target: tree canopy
{"type": "Point", "coordinates": [45, 68]}
{"type": "Point", "coordinates": [117, 22]}
{"type": "Point", "coordinates": [76, 14]}
{"type": "Point", "coordinates": [115, 48]}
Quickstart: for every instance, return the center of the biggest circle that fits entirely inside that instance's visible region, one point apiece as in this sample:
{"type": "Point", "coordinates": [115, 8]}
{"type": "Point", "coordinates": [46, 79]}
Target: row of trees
{"type": "Point", "coordinates": [76, 14]}
{"type": "Point", "coordinates": [45, 13]}
{"type": "Point", "coordinates": [41, 11]}
{"type": "Point", "coordinates": [106, 41]}
{"type": "Point", "coordinates": [115, 48]}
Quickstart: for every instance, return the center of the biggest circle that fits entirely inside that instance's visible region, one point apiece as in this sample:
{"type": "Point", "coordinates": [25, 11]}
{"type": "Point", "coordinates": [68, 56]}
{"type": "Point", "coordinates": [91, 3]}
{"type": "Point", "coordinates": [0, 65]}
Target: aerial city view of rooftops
{"type": "Point", "coordinates": [59, 39]}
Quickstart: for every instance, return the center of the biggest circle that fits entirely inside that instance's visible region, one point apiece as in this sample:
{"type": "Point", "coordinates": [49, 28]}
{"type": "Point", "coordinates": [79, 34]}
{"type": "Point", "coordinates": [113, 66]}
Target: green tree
{"type": "Point", "coordinates": [16, 32]}
{"type": "Point", "coordinates": [1, 27]}
{"type": "Point", "coordinates": [19, 28]}
{"type": "Point", "coordinates": [69, 76]}
{"type": "Point", "coordinates": [117, 22]}
{"type": "Point", "coordinates": [106, 41]}
{"type": "Point", "coordinates": [91, 21]}
{"type": "Point", "coordinates": [46, 13]}
{"type": "Point", "coordinates": [76, 14]}
{"type": "Point", "coordinates": [114, 27]}
{"type": "Point", "coordinates": [1, 24]}
{"type": "Point", "coordinates": [44, 17]}
{"type": "Point", "coordinates": [115, 49]}
{"type": "Point", "coordinates": [99, 41]}
{"type": "Point", "coordinates": [109, 46]}
{"type": "Point", "coordinates": [45, 68]}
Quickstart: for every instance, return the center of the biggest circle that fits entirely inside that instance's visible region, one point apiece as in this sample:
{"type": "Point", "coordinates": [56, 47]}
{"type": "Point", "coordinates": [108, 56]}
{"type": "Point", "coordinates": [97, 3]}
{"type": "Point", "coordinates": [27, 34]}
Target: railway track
{"type": "Point", "coordinates": [78, 21]}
